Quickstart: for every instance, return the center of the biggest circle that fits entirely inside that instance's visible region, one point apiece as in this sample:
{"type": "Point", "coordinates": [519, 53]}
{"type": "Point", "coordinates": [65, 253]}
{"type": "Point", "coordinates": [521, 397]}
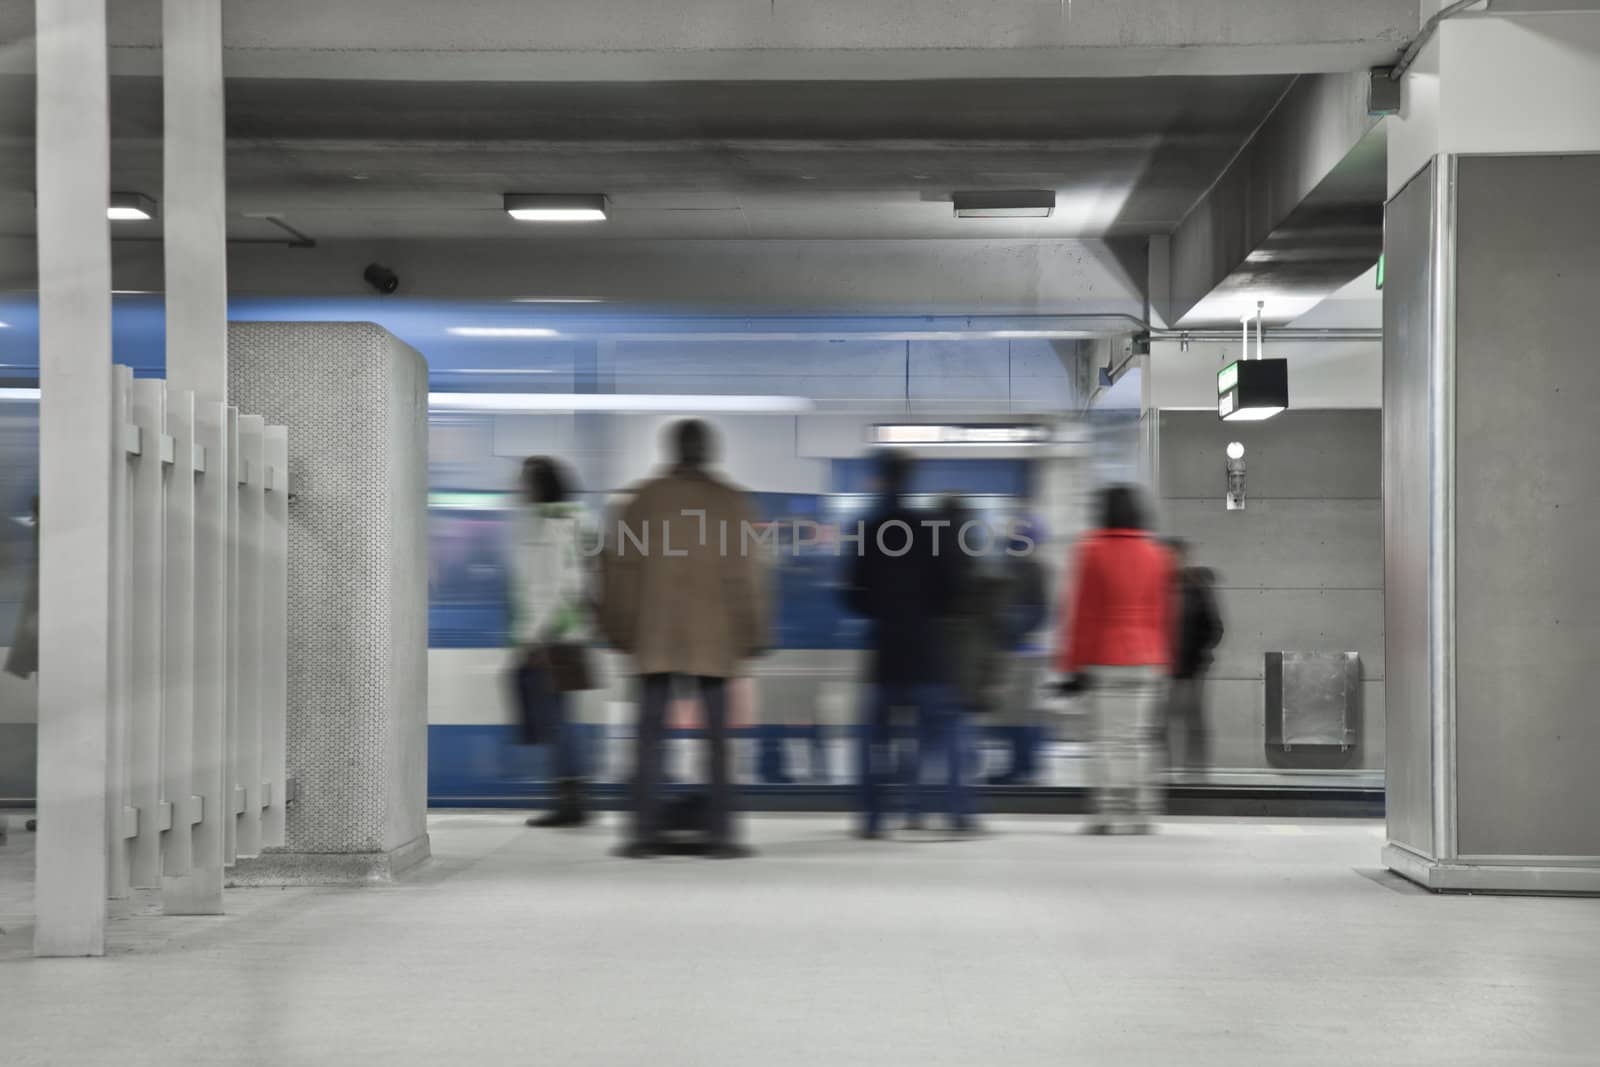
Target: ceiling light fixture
{"type": "Point", "coordinates": [556, 207]}
{"type": "Point", "coordinates": [1005, 204]}
{"type": "Point", "coordinates": [503, 331]}
{"type": "Point", "coordinates": [559, 300]}
{"type": "Point", "coordinates": [130, 207]}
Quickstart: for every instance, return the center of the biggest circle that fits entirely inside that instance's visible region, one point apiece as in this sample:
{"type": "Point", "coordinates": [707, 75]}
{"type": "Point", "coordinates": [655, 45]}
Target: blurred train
{"type": "Point", "coordinates": [798, 410]}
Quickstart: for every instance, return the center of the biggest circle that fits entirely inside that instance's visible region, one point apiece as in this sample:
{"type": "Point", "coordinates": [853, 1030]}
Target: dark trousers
{"type": "Point", "coordinates": [546, 720]}
{"type": "Point", "coordinates": [1186, 714]}
{"type": "Point", "coordinates": [655, 697]}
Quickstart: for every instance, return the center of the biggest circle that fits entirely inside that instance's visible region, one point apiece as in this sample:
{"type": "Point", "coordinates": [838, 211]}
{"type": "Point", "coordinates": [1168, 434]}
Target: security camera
{"type": "Point", "coordinates": [381, 278]}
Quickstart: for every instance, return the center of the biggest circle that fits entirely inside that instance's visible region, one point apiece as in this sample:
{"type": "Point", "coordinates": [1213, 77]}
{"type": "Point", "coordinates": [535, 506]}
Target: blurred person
{"type": "Point", "coordinates": [548, 609]}
{"type": "Point", "coordinates": [686, 603]}
{"type": "Point", "coordinates": [976, 640]}
{"type": "Point", "coordinates": [1027, 609]}
{"type": "Point", "coordinates": [1198, 632]}
{"type": "Point", "coordinates": [22, 658]}
{"type": "Point", "coordinates": [901, 582]}
{"type": "Point", "coordinates": [1118, 645]}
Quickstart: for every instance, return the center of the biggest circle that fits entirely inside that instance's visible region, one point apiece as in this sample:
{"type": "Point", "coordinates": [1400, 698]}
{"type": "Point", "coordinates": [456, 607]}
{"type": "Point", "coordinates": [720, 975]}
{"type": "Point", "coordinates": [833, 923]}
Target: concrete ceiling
{"type": "Point", "coordinates": [717, 160]}
{"type": "Point", "coordinates": [756, 40]}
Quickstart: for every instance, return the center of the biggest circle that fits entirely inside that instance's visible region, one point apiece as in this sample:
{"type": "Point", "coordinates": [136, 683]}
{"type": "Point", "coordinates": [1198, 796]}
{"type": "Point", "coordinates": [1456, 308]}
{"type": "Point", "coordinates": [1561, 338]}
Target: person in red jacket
{"type": "Point", "coordinates": [1117, 644]}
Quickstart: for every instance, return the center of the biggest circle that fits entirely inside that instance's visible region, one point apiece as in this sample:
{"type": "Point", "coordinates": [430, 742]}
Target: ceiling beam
{"type": "Point", "coordinates": [1295, 216]}
{"type": "Point", "coordinates": [647, 40]}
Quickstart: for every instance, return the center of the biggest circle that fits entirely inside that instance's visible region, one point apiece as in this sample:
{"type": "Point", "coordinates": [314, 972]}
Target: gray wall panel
{"type": "Point", "coordinates": [1306, 454]}
{"type": "Point", "coordinates": [1298, 620]}
{"type": "Point", "coordinates": [1275, 544]}
{"type": "Point", "coordinates": [1527, 505]}
{"type": "Point", "coordinates": [1300, 569]}
{"type": "Point", "coordinates": [1236, 709]}
{"type": "Point", "coordinates": [1406, 494]}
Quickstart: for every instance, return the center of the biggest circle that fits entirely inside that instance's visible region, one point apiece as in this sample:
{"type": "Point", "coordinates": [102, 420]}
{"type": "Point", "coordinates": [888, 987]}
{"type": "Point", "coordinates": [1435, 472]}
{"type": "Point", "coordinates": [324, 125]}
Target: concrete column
{"type": "Point", "coordinates": [75, 443]}
{"type": "Point", "coordinates": [194, 205]}
{"type": "Point", "coordinates": [355, 400]}
{"type": "Point", "coordinates": [195, 232]}
{"type": "Point", "coordinates": [1490, 492]}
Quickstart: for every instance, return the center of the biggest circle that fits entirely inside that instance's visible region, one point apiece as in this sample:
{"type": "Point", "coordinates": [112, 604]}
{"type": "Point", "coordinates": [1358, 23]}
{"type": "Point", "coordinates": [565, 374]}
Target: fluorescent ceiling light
{"type": "Point", "coordinates": [922, 433]}
{"type": "Point", "coordinates": [1005, 204]}
{"type": "Point", "coordinates": [559, 300]}
{"type": "Point", "coordinates": [1252, 414]}
{"type": "Point", "coordinates": [618, 402]}
{"type": "Point", "coordinates": [503, 331]}
{"type": "Point", "coordinates": [5, 326]}
{"type": "Point", "coordinates": [552, 207]}
{"type": "Point", "coordinates": [19, 394]}
{"type": "Point", "coordinates": [130, 207]}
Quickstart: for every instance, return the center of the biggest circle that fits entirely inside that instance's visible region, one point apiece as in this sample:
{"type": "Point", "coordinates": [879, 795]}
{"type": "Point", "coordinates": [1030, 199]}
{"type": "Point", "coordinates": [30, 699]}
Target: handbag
{"type": "Point", "coordinates": [567, 664]}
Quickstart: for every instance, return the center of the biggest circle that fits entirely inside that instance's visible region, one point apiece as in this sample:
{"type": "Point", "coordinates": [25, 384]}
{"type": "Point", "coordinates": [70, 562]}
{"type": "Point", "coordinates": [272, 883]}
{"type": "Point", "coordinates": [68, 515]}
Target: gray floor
{"type": "Point", "coordinates": [1213, 943]}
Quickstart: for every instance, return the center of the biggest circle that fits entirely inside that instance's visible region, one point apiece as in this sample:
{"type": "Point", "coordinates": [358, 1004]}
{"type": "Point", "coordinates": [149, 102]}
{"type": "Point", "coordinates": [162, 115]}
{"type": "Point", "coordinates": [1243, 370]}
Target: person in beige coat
{"type": "Point", "coordinates": [682, 596]}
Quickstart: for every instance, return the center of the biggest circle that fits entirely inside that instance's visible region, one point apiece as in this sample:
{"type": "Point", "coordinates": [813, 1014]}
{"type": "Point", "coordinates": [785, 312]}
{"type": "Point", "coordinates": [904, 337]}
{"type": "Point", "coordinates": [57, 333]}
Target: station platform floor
{"type": "Point", "coordinates": [1214, 942]}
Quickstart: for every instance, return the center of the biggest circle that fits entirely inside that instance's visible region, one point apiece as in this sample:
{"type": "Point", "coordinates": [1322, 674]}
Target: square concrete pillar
{"type": "Point", "coordinates": [1491, 501]}
{"type": "Point", "coordinates": [355, 400]}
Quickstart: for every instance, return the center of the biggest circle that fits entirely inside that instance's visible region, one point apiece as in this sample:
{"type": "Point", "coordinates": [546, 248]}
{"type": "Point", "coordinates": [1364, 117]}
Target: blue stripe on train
{"type": "Point", "coordinates": [486, 765]}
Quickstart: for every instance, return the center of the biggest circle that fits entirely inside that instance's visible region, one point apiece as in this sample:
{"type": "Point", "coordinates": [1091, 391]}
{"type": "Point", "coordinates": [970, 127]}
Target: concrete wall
{"type": "Point", "coordinates": [1300, 569]}
{"type": "Point", "coordinates": [1542, 63]}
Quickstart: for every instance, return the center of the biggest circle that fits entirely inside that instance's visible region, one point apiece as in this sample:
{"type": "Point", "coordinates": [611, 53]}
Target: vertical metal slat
{"type": "Point", "coordinates": [120, 678]}
{"type": "Point", "coordinates": [177, 748]}
{"type": "Point", "coordinates": [249, 632]}
{"type": "Point", "coordinates": [200, 891]}
{"type": "Point", "coordinates": [230, 718]}
{"type": "Point", "coordinates": [275, 633]}
{"type": "Point", "coordinates": [145, 644]}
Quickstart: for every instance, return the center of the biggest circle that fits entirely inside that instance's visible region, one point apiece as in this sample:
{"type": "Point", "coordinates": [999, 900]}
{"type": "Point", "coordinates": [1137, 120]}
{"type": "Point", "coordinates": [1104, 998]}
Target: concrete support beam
{"type": "Point", "coordinates": [635, 40]}
{"type": "Point", "coordinates": [75, 450]}
{"type": "Point", "coordinates": [1297, 215]}
{"type": "Point", "coordinates": [1020, 277]}
{"type": "Point", "coordinates": [194, 207]}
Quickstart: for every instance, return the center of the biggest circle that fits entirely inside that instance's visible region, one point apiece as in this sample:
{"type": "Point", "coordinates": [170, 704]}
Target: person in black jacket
{"type": "Point", "coordinates": [901, 581]}
{"type": "Point", "coordinates": [1199, 632]}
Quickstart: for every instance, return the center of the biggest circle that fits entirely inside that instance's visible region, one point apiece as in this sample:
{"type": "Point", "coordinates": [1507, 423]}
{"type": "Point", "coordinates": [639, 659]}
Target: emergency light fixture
{"type": "Point", "coordinates": [556, 207]}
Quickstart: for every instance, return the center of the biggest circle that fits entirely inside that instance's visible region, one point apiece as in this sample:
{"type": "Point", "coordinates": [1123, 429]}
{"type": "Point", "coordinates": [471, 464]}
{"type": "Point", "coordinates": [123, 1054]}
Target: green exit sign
{"type": "Point", "coordinates": [1227, 378]}
{"type": "Point", "coordinates": [1380, 270]}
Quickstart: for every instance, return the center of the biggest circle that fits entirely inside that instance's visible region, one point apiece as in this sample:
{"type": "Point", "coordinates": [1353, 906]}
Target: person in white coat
{"type": "Point", "coordinates": [548, 605]}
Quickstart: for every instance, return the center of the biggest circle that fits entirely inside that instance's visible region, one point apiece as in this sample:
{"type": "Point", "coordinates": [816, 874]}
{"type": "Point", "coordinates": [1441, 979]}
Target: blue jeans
{"type": "Point", "coordinates": [943, 732]}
